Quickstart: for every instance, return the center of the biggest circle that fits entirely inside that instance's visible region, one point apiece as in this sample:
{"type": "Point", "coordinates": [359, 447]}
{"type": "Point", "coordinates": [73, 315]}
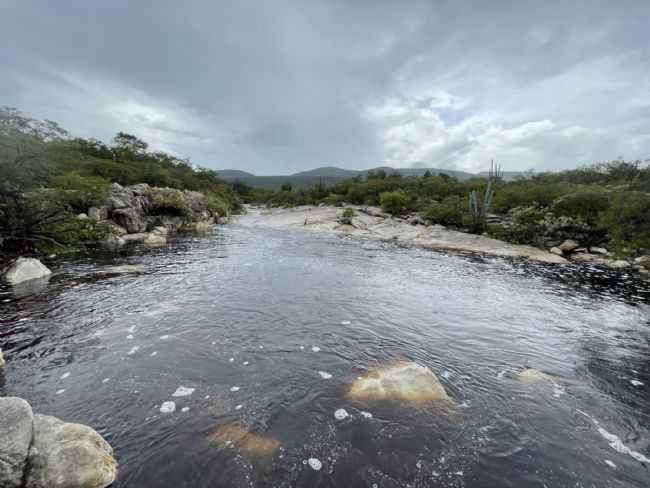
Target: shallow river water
{"type": "Point", "coordinates": [256, 320]}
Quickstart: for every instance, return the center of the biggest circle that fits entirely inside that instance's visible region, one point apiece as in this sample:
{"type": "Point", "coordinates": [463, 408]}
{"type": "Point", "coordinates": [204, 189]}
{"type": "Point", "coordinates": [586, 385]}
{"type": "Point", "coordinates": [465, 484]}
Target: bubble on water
{"type": "Point", "coordinates": [206, 397]}
{"type": "Point", "coordinates": [231, 360]}
{"type": "Point", "coordinates": [106, 380]}
{"type": "Point", "coordinates": [168, 407]}
{"type": "Point", "coordinates": [245, 363]}
{"type": "Point", "coordinates": [65, 375]}
{"type": "Point", "coordinates": [133, 350]}
{"type": "Point", "coordinates": [558, 390]}
{"type": "Point", "coordinates": [325, 375]}
{"type": "Point", "coordinates": [302, 347]}
{"type": "Point", "coordinates": [182, 391]}
{"type": "Point", "coordinates": [130, 336]}
{"type": "Point", "coordinates": [248, 265]}
{"type": "Point", "coordinates": [418, 464]}
{"type": "Point", "coordinates": [214, 343]}
{"type": "Point", "coordinates": [164, 337]}
{"type": "Point", "coordinates": [234, 388]}
{"type": "Point", "coordinates": [341, 414]}
{"type": "Point", "coordinates": [131, 329]}
{"type": "Point", "coordinates": [315, 464]}
{"type": "Point", "coordinates": [446, 374]}
{"type": "Point", "coordinates": [185, 409]}
{"type": "Point", "coordinates": [610, 463]}
{"type": "Point", "coordinates": [366, 415]}
{"type": "Point", "coordinates": [62, 390]}
{"type": "Point", "coordinates": [345, 322]}
{"type": "Point", "coordinates": [238, 407]}
{"type": "Point", "coordinates": [155, 353]}
{"type": "Point", "coordinates": [315, 348]}
{"type": "Point", "coordinates": [501, 374]}
{"type": "Point", "coordinates": [261, 347]}
{"type": "Point", "coordinates": [636, 383]}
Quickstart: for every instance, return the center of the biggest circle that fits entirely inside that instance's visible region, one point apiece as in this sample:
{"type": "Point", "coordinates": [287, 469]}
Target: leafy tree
{"type": "Point", "coordinates": [393, 202]}
{"type": "Point", "coordinates": [128, 146]}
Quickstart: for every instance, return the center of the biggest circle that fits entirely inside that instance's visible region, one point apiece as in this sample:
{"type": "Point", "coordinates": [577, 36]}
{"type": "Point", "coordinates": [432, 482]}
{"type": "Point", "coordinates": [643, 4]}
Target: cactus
{"type": "Point", "coordinates": [479, 209]}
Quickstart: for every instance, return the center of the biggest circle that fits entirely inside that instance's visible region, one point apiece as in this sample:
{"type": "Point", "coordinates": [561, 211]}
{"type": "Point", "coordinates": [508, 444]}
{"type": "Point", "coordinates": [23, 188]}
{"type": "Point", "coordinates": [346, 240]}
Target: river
{"type": "Point", "coordinates": [255, 321]}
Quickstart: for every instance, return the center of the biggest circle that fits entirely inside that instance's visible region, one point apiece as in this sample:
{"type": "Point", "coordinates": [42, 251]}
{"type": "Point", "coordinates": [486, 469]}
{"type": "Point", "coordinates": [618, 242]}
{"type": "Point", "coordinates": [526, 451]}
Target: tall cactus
{"type": "Point", "coordinates": [479, 209]}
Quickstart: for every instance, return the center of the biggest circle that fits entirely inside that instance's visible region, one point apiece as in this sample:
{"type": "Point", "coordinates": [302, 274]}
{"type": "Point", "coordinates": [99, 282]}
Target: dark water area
{"type": "Point", "coordinates": [251, 318]}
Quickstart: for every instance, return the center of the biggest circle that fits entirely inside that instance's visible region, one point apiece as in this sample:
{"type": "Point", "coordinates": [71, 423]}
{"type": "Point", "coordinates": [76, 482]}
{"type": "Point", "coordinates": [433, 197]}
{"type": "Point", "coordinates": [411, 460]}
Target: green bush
{"type": "Point", "coordinates": [81, 192]}
{"type": "Point", "coordinates": [167, 201]}
{"type": "Point", "coordinates": [584, 204]}
{"type": "Point", "coordinates": [393, 202]}
{"type": "Point", "coordinates": [346, 216]}
{"type": "Point", "coordinates": [217, 206]}
{"type": "Point", "coordinates": [628, 220]}
{"type": "Point", "coordinates": [452, 211]}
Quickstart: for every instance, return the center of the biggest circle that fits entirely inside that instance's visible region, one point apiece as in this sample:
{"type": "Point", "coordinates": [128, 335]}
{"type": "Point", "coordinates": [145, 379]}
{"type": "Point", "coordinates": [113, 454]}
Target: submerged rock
{"type": "Point", "coordinates": [241, 438]}
{"type": "Point", "coordinates": [67, 455]}
{"type": "Point", "coordinates": [26, 269]}
{"type": "Point", "coordinates": [404, 381]}
{"type": "Point", "coordinates": [155, 240]}
{"type": "Point", "coordinates": [15, 437]}
{"type": "Point", "coordinates": [531, 375]}
{"type": "Point", "coordinates": [123, 269]}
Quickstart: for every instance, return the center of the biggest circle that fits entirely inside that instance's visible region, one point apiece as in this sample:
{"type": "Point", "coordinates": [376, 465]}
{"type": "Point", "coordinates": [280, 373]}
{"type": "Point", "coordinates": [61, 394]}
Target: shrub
{"type": "Point", "coordinates": [81, 192]}
{"type": "Point", "coordinates": [346, 216]}
{"type": "Point", "coordinates": [217, 206]}
{"type": "Point", "coordinates": [167, 201]}
{"type": "Point", "coordinates": [451, 212]}
{"type": "Point", "coordinates": [393, 202]}
{"type": "Point", "coordinates": [584, 204]}
{"type": "Point", "coordinates": [628, 219]}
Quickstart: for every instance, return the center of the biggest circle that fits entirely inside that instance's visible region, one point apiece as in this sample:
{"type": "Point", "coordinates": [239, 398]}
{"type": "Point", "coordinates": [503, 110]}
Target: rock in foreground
{"type": "Point", "coordinates": [406, 381]}
{"type": "Point", "coordinates": [15, 437]}
{"type": "Point", "coordinates": [26, 269]}
{"type": "Point", "coordinates": [67, 455]}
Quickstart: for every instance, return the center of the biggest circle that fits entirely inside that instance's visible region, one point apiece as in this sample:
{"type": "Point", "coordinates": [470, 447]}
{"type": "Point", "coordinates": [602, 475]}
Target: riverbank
{"type": "Point", "coordinates": [371, 223]}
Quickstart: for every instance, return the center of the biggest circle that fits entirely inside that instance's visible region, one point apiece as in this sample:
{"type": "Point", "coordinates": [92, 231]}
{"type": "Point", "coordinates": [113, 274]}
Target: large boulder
{"type": "Point", "coordinates": [25, 269]}
{"type": "Point", "coordinates": [131, 218]}
{"type": "Point", "coordinates": [98, 213]}
{"type": "Point", "coordinates": [67, 455]}
{"type": "Point", "coordinates": [569, 246]}
{"type": "Point", "coordinates": [15, 438]}
{"type": "Point", "coordinates": [197, 204]}
{"type": "Point", "coordinates": [404, 381]}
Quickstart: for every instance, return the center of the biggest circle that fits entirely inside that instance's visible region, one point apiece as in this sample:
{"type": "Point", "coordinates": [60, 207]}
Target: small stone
{"type": "Point", "coordinates": [556, 250]}
{"type": "Point", "coordinates": [598, 250]}
{"type": "Point", "coordinates": [619, 264]}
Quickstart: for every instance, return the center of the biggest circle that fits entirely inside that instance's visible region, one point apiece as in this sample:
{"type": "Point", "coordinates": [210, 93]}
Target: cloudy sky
{"type": "Point", "coordinates": [275, 87]}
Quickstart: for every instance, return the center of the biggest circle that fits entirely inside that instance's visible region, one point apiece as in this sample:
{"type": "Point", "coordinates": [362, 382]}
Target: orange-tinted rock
{"type": "Point", "coordinates": [244, 440]}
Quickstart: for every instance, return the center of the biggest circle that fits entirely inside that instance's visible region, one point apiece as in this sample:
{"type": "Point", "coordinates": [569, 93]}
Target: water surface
{"type": "Point", "coordinates": [249, 317]}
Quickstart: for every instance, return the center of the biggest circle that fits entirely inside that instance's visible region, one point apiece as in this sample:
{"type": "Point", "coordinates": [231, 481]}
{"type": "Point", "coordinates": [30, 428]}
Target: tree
{"type": "Point", "coordinates": [427, 174]}
{"type": "Point", "coordinates": [127, 146]}
{"type": "Point", "coordinates": [286, 187]}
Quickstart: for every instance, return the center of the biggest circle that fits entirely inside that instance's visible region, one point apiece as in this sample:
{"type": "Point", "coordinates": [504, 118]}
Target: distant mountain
{"type": "Point", "coordinates": [330, 175]}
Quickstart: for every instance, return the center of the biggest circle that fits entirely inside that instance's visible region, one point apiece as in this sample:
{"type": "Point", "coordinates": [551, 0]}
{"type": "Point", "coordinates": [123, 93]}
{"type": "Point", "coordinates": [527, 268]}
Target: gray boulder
{"type": "Point", "coordinates": [98, 213]}
{"type": "Point", "coordinates": [67, 455]}
{"type": "Point", "coordinates": [15, 438]}
{"type": "Point", "coordinates": [25, 269]}
{"type": "Point", "coordinates": [569, 246]}
{"type": "Point", "coordinates": [131, 218]}
{"type": "Point", "coordinates": [556, 250]}
{"type": "Point", "coordinates": [598, 250]}
{"type": "Point", "coordinates": [155, 240]}
{"type": "Point", "coordinates": [138, 237]}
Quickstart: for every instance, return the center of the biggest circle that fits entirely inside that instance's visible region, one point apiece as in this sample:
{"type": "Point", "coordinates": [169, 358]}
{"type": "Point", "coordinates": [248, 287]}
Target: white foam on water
{"type": "Point", "coordinates": [315, 464]}
{"type": "Point", "coordinates": [214, 343]}
{"type": "Point", "coordinates": [231, 360]}
{"type": "Point", "coordinates": [155, 353]}
{"type": "Point", "coordinates": [185, 409]}
{"type": "Point", "coordinates": [501, 374]}
{"type": "Point", "coordinates": [106, 380]}
{"type": "Point", "coordinates": [446, 374]}
{"type": "Point", "coordinates": [345, 322]}
{"type": "Point", "coordinates": [65, 375]}
{"type": "Point", "coordinates": [315, 349]}
{"type": "Point", "coordinates": [261, 347]}
{"type": "Point", "coordinates": [206, 397]}
{"type": "Point", "coordinates": [302, 347]}
{"type": "Point", "coordinates": [325, 375]}
{"type": "Point", "coordinates": [133, 350]}
{"type": "Point", "coordinates": [238, 407]}
{"type": "Point", "coordinates": [341, 414]}
{"type": "Point", "coordinates": [558, 390]}
{"type": "Point", "coordinates": [234, 388]}
{"type": "Point", "coordinates": [168, 407]}
{"type": "Point", "coordinates": [164, 337]}
{"type": "Point", "coordinates": [182, 391]}
{"type": "Point", "coordinates": [62, 390]}
{"type": "Point", "coordinates": [636, 383]}
{"type": "Point", "coordinates": [610, 463]}
{"type": "Point", "coordinates": [245, 363]}
{"type": "Point", "coordinates": [617, 444]}
{"type": "Point", "coordinates": [131, 329]}
{"type": "Point", "coordinates": [366, 415]}
{"type": "Point", "coordinates": [130, 336]}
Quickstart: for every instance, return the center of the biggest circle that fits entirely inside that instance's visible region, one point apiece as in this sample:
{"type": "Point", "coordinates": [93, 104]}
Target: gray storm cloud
{"type": "Point", "coordinates": [278, 87]}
